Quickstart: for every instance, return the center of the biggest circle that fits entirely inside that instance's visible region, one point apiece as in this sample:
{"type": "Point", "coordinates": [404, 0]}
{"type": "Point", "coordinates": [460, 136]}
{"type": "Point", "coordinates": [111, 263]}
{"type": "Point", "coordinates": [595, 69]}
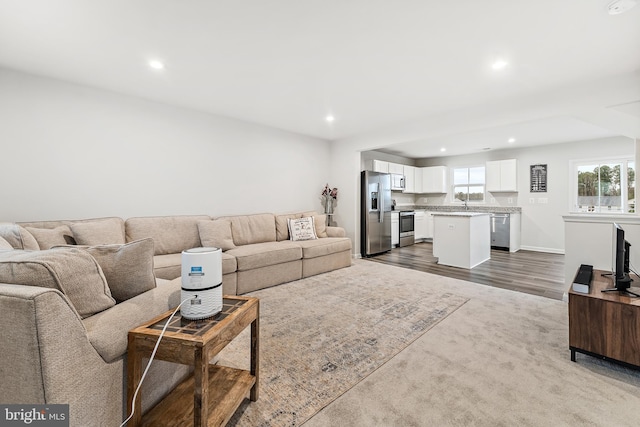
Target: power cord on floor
{"type": "Point", "coordinates": [153, 353]}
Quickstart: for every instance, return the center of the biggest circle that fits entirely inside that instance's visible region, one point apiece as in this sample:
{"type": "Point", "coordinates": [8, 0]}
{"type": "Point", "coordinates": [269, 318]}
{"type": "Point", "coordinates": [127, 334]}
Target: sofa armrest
{"type": "Point", "coordinates": [46, 355]}
{"type": "Point", "coordinates": [336, 232]}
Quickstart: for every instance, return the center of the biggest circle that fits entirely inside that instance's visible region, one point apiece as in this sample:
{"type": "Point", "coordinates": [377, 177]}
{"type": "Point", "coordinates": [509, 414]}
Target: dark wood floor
{"type": "Point", "coordinates": [536, 273]}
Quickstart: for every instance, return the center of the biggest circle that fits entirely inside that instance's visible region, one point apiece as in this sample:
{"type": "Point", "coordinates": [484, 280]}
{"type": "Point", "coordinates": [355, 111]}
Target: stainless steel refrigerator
{"type": "Point", "coordinates": [375, 211]}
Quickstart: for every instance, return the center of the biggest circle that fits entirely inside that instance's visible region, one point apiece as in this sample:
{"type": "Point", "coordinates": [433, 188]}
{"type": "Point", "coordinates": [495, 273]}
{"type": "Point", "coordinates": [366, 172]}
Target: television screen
{"type": "Point", "coordinates": [620, 260]}
{"type": "Point", "coordinates": [618, 253]}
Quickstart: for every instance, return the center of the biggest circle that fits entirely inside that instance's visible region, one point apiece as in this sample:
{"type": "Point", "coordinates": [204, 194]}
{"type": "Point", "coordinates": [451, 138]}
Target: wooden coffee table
{"type": "Point", "coordinates": [212, 394]}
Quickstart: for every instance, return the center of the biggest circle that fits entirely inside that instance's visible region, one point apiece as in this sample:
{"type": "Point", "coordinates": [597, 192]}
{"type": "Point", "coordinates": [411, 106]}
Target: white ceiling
{"type": "Point", "coordinates": [400, 72]}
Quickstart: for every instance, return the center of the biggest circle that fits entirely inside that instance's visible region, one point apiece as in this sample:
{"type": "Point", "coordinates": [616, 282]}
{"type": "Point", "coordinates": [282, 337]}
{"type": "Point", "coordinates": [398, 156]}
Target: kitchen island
{"type": "Point", "coordinates": [461, 239]}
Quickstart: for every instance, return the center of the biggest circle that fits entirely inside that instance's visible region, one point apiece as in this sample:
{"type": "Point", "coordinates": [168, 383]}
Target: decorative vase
{"type": "Point", "coordinates": [328, 205]}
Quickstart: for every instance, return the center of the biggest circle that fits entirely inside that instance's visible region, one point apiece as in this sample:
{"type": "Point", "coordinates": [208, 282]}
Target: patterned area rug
{"type": "Point", "coordinates": [322, 335]}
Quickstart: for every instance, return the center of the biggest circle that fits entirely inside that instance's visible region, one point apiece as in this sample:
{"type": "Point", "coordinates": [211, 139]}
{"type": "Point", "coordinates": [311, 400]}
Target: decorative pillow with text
{"type": "Point", "coordinates": [302, 229]}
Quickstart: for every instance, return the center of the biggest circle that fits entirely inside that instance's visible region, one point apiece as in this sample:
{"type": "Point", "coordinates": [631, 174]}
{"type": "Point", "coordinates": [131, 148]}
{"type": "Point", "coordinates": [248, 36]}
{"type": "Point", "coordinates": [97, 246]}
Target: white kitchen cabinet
{"type": "Point", "coordinates": [409, 179]}
{"type": "Point", "coordinates": [429, 219]}
{"type": "Point", "coordinates": [514, 232]}
{"type": "Point", "coordinates": [420, 225]}
{"type": "Point", "coordinates": [418, 179]}
{"type": "Point", "coordinates": [380, 166]}
{"type": "Point", "coordinates": [502, 176]}
{"type": "Point", "coordinates": [396, 168]}
{"type": "Point", "coordinates": [434, 179]}
{"type": "Point", "coordinates": [395, 228]}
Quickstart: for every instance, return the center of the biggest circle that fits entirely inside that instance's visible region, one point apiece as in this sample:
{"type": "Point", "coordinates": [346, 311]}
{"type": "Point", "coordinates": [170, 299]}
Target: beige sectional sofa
{"type": "Point", "coordinates": [57, 349]}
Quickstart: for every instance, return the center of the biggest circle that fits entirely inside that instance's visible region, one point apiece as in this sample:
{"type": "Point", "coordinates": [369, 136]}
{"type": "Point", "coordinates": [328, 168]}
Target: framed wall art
{"type": "Point", "coordinates": [538, 178]}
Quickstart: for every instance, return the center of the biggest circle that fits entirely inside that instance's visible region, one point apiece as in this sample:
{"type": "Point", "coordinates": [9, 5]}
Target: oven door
{"type": "Point", "coordinates": [407, 228]}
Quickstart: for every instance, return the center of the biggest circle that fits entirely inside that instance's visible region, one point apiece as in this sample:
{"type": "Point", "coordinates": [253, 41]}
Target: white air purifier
{"type": "Point", "coordinates": [201, 283]}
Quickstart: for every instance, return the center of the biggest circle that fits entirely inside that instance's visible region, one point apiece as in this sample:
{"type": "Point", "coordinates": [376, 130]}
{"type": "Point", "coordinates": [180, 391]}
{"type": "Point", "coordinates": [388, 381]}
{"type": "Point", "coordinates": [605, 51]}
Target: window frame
{"type": "Point", "coordinates": [626, 205]}
{"type": "Point", "coordinates": [469, 185]}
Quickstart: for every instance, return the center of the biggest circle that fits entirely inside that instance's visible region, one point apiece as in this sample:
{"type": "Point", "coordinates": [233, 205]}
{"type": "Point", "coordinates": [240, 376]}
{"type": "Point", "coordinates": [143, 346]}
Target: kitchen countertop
{"type": "Point", "coordinates": [461, 214]}
{"type": "Point", "coordinates": [460, 208]}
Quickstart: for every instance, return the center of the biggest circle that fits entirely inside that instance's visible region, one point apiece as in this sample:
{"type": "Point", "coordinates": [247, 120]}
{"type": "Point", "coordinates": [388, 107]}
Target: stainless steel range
{"type": "Point", "coordinates": [407, 228]}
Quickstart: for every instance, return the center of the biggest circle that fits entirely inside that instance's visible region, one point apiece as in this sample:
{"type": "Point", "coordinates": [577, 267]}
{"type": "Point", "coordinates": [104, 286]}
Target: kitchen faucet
{"type": "Point", "coordinates": [466, 206]}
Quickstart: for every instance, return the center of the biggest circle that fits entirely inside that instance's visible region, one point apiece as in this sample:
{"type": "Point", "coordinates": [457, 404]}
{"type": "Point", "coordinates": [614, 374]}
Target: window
{"type": "Point", "coordinates": [468, 184]}
{"type": "Point", "coordinates": [605, 186]}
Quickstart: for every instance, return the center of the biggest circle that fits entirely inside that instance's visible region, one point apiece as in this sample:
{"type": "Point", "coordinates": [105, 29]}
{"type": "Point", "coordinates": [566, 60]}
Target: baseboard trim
{"type": "Point", "coordinates": [539, 249]}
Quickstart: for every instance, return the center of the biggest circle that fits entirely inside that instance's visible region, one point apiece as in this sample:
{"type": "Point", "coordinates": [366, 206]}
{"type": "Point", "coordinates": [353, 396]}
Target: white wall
{"type": "Point", "coordinates": [71, 152]}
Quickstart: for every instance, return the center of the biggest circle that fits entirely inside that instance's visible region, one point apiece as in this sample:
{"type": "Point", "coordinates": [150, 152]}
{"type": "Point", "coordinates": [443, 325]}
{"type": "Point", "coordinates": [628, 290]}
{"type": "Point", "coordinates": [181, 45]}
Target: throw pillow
{"type": "Point", "coordinates": [302, 229]}
{"type": "Point", "coordinates": [128, 268]}
{"type": "Point", "coordinates": [107, 231]}
{"type": "Point", "coordinates": [321, 225]}
{"type": "Point", "coordinates": [18, 237]}
{"type": "Point", "coordinates": [4, 245]}
{"type": "Point", "coordinates": [50, 237]}
{"type": "Point", "coordinates": [282, 225]}
{"type": "Point", "coordinates": [70, 270]}
{"type": "Point", "coordinates": [216, 233]}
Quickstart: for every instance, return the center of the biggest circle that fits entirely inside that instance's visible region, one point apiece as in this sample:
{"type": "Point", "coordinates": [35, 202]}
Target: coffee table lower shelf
{"type": "Point", "coordinates": [228, 387]}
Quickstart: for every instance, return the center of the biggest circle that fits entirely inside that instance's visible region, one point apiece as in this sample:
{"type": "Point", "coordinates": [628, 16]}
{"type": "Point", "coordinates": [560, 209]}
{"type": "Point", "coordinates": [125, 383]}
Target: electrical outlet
{"type": "Point", "coordinates": [510, 200]}
{"type": "Point", "coordinates": [542, 200]}
{"type": "Point", "coordinates": [493, 201]}
{"type": "Point", "coordinates": [451, 226]}
{"type": "Point", "coordinates": [531, 200]}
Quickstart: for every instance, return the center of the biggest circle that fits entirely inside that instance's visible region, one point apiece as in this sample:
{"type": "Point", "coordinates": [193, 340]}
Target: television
{"type": "Point", "coordinates": [621, 267]}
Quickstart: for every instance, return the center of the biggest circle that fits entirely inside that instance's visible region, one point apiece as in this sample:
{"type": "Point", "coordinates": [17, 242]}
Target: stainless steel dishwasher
{"type": "Point", "coordinates": [500, 223]}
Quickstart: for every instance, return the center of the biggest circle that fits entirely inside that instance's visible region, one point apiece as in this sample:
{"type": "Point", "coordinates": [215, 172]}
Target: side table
{"type": "Point", "coordinates": [212, 394]}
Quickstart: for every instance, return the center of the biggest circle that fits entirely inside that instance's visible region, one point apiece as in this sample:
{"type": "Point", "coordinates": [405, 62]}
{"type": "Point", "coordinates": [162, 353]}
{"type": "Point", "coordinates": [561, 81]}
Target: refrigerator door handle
{"type": "Point", "coordinates": [381, 210]}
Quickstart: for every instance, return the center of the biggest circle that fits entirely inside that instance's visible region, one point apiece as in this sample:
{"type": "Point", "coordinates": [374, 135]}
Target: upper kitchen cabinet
{"type": "Point", "coordinates": [380, 166]}
{"type": "Point", "coordinates": [434, 179]}
{"type": "Point", "coordinates": [418, 179]}
{"type": "Point", "coordinates": [396, 168]}
{"type": "Point", "coordinates": [409, 173]}
{"type": "Point", "coordinates": [502, 176]}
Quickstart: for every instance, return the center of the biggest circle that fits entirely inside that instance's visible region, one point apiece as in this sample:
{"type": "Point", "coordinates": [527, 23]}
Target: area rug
{"type": "Point", "coordinates": [322, 335]}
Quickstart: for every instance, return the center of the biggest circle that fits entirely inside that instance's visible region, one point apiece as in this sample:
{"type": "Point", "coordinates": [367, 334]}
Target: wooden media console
{"type": "Point", "coordinates": [605, 324]}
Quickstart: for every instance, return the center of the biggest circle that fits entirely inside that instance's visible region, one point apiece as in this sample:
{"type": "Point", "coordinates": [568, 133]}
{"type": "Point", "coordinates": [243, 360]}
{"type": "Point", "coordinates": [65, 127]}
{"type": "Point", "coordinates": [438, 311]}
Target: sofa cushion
{"type": "Point", "coordinates": [18, 237]}
{"type": "Point", "coordinates": [302, 229]}
{"type": "Point", "coordinates": [320, 221]}
{"type": "Point", "coordinates": [72, 271]}
{"type": "Point", "coordinates": [248, 229]}
{"type": "Point", "coordinates": [167, 266]}
{"type": "Point", "coordinates": [170, 234]}
{"type": "Point", "coordinates": [170, 266]}
{"type": "Point", "coordinates": [229, 263]}
{"type": "Point", "coordinates": [282, 225]}
{"type": "Point", "coordinates": [50, 237]}
{"type": "Point", "coordinates": [128, 268]}
{"type": "Point", "coordinates": [259, 255]}
{"type": "Point", "coordinates": [107, 331]}
{"type": "Point", "coordinates": [322, 247]}
{"type": "Point", "coordinates": [216, 233]}
{"type": "Point", "coordinates": [4, 245]}
{"type": "Point", "coordinates": [102, 231]}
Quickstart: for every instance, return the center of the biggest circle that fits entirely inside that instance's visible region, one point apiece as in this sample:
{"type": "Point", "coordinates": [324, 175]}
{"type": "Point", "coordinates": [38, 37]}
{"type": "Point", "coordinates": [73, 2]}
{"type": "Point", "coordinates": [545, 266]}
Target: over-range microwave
{"type": "Point", "coordinates": [397, 182]}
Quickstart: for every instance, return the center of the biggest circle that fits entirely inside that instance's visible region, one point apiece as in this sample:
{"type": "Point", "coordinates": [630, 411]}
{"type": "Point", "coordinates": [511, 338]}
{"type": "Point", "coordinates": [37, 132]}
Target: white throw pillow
{"type": "Point", "coordinates": [302, 229]}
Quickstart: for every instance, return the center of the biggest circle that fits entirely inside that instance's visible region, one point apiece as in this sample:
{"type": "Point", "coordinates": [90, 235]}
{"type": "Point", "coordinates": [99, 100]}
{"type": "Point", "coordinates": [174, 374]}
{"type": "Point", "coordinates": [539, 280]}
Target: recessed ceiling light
{"type": "Point", "coordinates": [620, 6]}
{"type": "Point", "coordinates": [330, 118]}
{"type": "Point", "coordinates": [499, 64]}
{"type": "Point", "coordinates": [156, 65]}
{"type": "Point", "coordinates": [512, 140]}
{"type": "Point", "coordinates": [442, 150]}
